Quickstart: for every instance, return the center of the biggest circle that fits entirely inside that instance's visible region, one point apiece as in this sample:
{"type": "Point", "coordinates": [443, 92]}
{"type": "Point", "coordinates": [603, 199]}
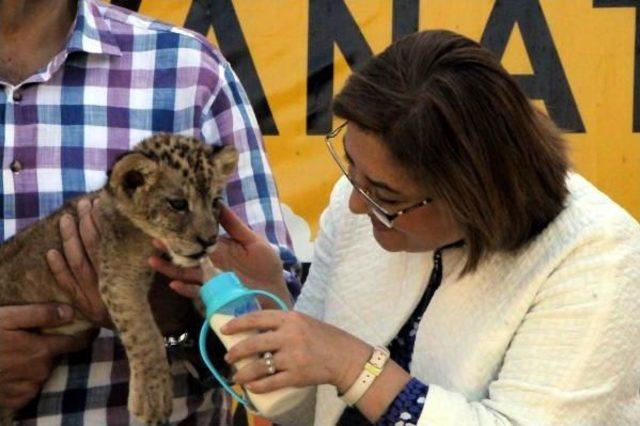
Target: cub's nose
{"type": "Point", "coordinates": [208, 241]}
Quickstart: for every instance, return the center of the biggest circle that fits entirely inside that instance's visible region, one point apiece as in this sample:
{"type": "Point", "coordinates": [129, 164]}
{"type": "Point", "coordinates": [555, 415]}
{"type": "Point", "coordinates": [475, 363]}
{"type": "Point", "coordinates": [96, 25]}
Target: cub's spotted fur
{"type": "Point", "coordinates": [168, 187]}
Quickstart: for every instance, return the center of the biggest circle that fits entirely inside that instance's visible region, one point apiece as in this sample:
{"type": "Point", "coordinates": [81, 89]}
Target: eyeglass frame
{"type": "Point", "coordinates": [383, 215]}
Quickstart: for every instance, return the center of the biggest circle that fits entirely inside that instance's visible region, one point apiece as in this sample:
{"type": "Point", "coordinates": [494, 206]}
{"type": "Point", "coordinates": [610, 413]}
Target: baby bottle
{"type": "Point", "coordinates": [225, 298]}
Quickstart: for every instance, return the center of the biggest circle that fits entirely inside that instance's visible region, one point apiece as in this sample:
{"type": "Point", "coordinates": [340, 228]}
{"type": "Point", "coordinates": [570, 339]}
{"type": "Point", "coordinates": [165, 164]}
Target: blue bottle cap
{"type": "Point", "coordinates": [221, 290]}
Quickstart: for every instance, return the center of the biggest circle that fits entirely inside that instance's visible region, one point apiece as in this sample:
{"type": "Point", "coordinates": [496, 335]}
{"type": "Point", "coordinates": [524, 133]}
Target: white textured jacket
{"type": "Point", "coordinates": [550, 336]}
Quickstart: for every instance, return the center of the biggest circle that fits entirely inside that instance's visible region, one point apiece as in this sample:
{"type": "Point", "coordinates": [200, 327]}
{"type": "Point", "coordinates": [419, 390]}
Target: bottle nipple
{"type": "Point", "coordinates": [208, 269]}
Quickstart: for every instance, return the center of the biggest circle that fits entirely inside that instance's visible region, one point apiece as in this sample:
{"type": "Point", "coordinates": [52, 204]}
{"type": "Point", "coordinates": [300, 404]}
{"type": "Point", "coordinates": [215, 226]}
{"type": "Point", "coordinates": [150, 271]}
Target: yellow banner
{"type": "Point", "coordinates": [576, 58]}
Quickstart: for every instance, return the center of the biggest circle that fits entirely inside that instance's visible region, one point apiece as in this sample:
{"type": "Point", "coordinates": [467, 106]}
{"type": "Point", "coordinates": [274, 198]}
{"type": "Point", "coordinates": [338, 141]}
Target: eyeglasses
{"type": "Point", "coordinates": [382, 214]}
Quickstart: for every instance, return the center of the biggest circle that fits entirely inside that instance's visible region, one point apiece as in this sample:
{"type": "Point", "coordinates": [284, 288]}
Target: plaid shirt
{"type": "Point", "coordinates": [120, 78]}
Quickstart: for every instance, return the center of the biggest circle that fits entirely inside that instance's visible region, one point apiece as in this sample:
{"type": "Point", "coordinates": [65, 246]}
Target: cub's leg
{"type": "Point", "coordinates": [124, 290]}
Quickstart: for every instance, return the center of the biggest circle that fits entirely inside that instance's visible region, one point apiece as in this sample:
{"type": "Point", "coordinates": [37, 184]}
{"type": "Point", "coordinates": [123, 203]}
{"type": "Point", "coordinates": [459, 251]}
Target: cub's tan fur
{"type": "Point", "coordinates": [166, 188]}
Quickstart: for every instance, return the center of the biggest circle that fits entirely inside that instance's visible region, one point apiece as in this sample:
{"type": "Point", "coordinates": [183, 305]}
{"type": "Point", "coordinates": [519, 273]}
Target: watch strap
{"type": "Point", "coordinates": [370, 371]}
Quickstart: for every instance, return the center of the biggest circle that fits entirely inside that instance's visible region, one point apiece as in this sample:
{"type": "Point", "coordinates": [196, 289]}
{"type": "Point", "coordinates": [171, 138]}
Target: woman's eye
{"type": "Point", "coordinates": [383, 200]}
{"type": "Point", "coordinates": [178, 204]}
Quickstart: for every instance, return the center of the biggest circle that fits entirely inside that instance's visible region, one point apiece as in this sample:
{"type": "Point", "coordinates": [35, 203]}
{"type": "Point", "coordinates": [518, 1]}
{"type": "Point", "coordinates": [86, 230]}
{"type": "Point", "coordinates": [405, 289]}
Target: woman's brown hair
{"type": "Point", "coordinates": [453, 116]}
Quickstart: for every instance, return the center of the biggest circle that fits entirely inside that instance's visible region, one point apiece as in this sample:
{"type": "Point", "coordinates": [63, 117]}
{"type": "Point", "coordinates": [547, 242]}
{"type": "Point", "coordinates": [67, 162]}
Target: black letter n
{"type": "Point", "coordinates": [329, 22]}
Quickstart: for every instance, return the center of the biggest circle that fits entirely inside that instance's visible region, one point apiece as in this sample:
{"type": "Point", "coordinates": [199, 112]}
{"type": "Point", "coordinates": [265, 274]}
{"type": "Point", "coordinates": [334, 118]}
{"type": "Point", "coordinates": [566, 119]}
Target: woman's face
{"type": "Point", "coordinates": [374, 170]}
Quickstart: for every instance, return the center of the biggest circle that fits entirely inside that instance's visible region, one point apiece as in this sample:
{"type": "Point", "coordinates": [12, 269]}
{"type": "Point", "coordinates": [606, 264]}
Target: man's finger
{"type": "Point", "coordinates": [74, 252]}
{"type": "Point", "coordinates": [85, 300]}
{"type": "Point", "coordinates": [88, 231]}
{"type": "Point", "coordinates": [235, 227]}
{"type": "Point", "coordinates": [62, 274]}
{"type": "Point", "coordinates": [32, 316]}
{"type": "Point", "coordinates": [95, 214]}
{"type": "Point", "coordinates": [83, 207]}
{"type": "Point", "coordinates": [59, 344]}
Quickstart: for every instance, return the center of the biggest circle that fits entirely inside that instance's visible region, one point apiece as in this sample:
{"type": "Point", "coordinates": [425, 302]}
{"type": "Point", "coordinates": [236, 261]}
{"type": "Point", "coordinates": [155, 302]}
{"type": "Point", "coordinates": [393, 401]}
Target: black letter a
{"type": "Point", "coordinates": [549, 81]}
{"type": "Point", "coordinates": [221, 15]}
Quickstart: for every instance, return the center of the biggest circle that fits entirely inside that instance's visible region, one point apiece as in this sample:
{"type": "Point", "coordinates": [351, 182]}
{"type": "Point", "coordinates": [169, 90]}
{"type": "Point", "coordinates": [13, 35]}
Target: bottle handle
{"type": "Point", "coordinates": [273, 297]}
{"type": "Point", "coordinates": [205, 355]}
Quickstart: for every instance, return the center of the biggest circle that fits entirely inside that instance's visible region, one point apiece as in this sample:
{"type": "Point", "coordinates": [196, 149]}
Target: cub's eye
{"type": "Point", "coordinates": [178, 204]}
{"type": "Point", "coordinates": [216, 203]}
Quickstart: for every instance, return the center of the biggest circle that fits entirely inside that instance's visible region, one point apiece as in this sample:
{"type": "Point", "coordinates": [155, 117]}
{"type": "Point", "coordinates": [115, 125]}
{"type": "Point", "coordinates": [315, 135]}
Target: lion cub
{"type": "Point", "coordinates": [168, 187]}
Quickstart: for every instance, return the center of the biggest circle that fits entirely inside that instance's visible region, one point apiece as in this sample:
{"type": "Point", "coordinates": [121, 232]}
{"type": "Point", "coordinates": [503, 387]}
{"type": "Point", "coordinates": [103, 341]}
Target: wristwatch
{"type": "Point", "coordinates": [371, 370]}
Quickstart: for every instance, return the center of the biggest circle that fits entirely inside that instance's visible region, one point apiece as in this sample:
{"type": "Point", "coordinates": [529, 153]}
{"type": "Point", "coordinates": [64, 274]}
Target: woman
{"type": "Point", "coordinates": [505, 287]}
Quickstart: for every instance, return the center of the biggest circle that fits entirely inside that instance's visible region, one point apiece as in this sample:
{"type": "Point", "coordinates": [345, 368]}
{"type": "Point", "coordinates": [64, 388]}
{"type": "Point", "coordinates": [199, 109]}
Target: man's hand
{"type": "Point", "coordinates": [26, 357]}
{"type": "Point", "coordinates": [76, 271]}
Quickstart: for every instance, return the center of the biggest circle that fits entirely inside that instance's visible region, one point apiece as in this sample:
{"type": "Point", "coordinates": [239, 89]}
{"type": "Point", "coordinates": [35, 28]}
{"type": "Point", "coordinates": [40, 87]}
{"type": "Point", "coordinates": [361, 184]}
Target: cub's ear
{"type": "Point", "coordinates": [130, 172]}
{"type": "Point", "coordinates": [225, 159]}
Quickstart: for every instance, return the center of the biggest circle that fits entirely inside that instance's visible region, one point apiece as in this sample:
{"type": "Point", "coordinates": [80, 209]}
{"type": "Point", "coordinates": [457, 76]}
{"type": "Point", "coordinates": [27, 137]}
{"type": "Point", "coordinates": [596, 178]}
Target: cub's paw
{"type": "Point", "coordinates": [151, 395]}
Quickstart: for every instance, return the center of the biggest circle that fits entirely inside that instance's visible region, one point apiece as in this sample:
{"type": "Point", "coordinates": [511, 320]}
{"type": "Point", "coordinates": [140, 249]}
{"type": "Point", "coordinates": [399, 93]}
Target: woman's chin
{"type": "Point", "coordinates": [388, 239]}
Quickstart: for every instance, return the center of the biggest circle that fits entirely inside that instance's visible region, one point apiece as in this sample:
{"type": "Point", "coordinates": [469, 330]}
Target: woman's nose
{"type": "Point", "coordinates": [357, 203]}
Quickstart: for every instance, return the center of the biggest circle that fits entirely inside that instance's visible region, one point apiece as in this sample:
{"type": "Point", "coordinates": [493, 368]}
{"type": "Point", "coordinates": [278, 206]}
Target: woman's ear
{"type": "Point", "coordinates": [131, 172]}
{"type": "Point", "coordinates": [225, 160]}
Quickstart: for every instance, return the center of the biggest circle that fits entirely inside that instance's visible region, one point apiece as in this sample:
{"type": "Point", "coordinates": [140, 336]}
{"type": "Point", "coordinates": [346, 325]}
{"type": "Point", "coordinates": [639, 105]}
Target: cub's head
{"type": "Point", "coordinates": [170, 186]}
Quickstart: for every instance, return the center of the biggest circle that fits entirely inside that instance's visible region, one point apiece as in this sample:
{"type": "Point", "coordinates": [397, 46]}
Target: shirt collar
{"type": "Point", "coordinates": [92, 31]}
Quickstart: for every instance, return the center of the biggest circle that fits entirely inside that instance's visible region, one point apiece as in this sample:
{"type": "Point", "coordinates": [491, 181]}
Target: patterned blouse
{"type": "Point", "coordinates": [407, 406]}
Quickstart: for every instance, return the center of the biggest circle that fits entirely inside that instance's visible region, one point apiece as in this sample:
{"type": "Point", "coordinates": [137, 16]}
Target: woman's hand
{"type": "Point", "coordinates": [244, 252]}
{"type": "Point", "coordinates": [305, 352]}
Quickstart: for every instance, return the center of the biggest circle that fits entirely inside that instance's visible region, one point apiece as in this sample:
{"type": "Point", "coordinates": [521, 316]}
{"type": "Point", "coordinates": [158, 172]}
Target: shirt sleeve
{"type": "Point", "coordinates": [251, 191]}
{"type": "Point", "coordinates": [406, 408]}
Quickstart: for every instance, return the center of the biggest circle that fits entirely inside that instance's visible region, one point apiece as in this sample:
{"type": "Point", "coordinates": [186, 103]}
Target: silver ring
{"type": "Point", "coordinates": [268, 360]}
